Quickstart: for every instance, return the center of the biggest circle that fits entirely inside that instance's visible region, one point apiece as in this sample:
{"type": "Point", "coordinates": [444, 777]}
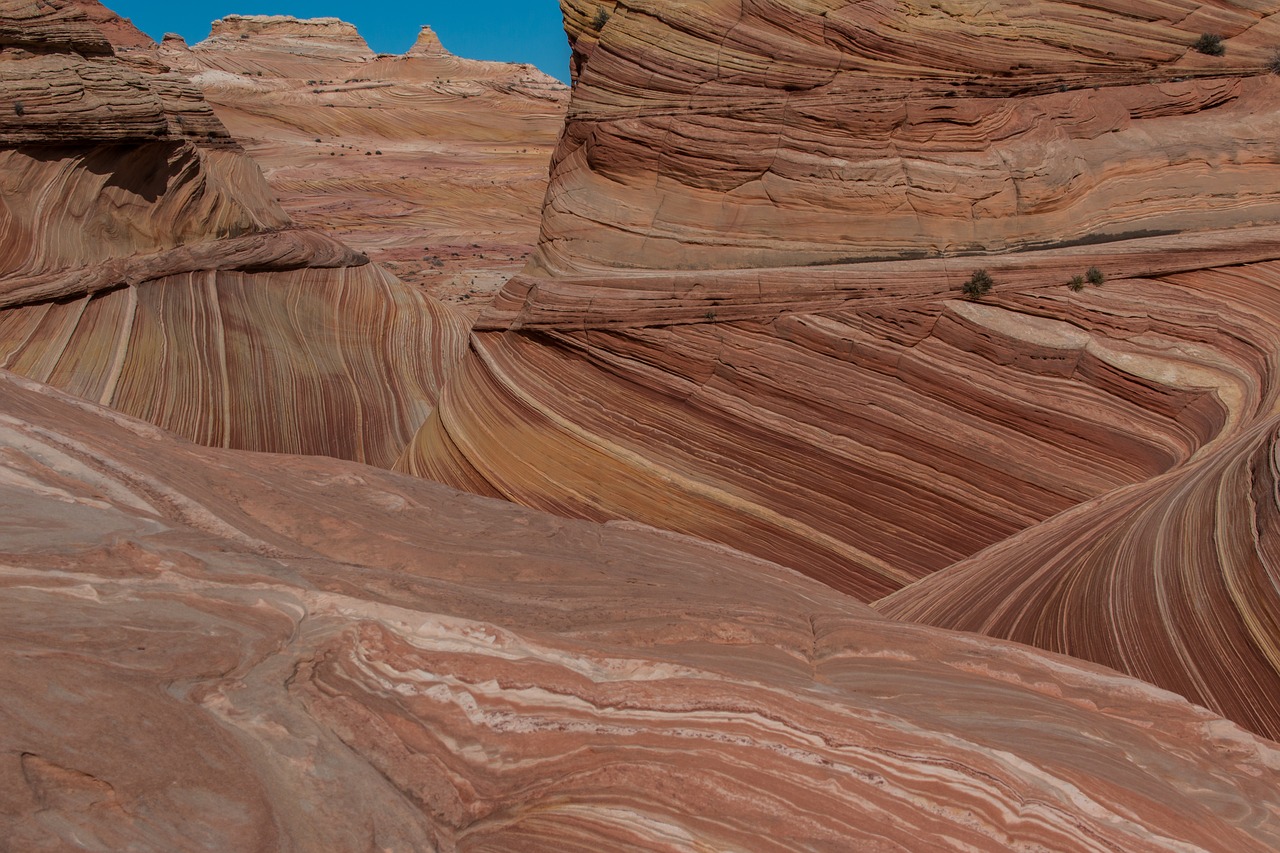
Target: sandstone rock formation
{"type": "Point", "coordinates": [743, 321]}
{"type": "Point", "coordinates": [144, 263]}
{"type": "Point", "coordinates": [209, 650]}
{"type": "Point", "coordinates": [432, 164]}
{"type": "Point", "coordinates": [852, 419]}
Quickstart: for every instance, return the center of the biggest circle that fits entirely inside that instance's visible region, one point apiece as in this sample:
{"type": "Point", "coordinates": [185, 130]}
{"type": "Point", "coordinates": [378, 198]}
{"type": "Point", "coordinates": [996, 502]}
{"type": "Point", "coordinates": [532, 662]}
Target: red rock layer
{"type": "Point", "coordinates": [744, 321]}
{"type": "Point", "coordinates": [432, 164]}
{"type": "Point", "coordinates": [145, 264]}
{"type": "Point", "coordinates": [205, 651]}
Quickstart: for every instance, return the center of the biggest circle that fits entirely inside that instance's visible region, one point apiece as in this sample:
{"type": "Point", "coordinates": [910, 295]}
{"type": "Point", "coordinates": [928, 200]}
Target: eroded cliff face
{"type": "Point", "coordinates": [145, 264]}
{"type": "Point", "coordinates": [433, 165]}
{"type": "Point", "coordinates": [210, 650]}
{"type": "Point", "coordinates": [744, 320]}
{"type": "Point", "coordinates": [728, 134]}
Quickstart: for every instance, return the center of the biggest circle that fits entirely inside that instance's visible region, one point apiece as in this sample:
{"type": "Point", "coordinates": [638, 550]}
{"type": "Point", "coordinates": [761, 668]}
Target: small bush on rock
{"type": "Point", "coordinates": [978, 285]}
{"type": "Point", "coordinates": [1273, 64]}
{"type": "Point", "coordinates": [1076, 283]}
{"type": "Point", "coordinates": [1210, 44]}
{"type": "Point", "coordinates": [1094, 276]}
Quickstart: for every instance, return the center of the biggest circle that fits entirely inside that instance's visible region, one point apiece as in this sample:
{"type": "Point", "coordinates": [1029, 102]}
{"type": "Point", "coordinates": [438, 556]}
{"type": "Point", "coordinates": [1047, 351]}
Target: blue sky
{"type": "Point", "coordinates": [510, 30]}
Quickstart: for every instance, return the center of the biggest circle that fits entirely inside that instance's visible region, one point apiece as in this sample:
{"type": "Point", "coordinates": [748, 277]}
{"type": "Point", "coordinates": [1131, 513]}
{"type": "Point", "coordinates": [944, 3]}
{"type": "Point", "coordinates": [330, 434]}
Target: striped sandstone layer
{"type": "Point", "coordinates": [145, 264]}
{"type": "Point", "coordinates": [434, 165]}
{"type": "Point", "coordinates": [209, 650]}
{"type": "Point", "coordinates": [723, 134]}
{"type": "Point", "coordinates": [1175, 581]}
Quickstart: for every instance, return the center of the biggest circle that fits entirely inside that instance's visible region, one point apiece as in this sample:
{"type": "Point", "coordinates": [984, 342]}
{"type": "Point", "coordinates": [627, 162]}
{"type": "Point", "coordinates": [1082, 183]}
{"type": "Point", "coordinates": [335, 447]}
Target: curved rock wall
{"type": "Point", "coordinates": [870, 430]}
{"type": "Point", "coordinates": [726, 134]}
{"type": "Point", "coordinates": [1176, 582]}
{"type": "Point", "coordinates": [744, 321]}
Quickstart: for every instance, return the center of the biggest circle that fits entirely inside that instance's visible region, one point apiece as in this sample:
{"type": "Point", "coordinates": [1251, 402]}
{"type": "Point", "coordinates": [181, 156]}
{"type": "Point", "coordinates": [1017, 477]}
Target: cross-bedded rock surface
{"type": "Point", "coordinates": [434, 165]}
{"type": "Point", "coordinates": [214, 650]}
{"type": "Point", "coordinates": [744, 319]}
{"type": "Point", "coordinates": [145, 264]}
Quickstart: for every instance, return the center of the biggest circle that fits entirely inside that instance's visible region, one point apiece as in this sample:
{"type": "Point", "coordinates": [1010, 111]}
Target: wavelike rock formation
{"type": "Point", "coordinates": [743, 321]}
{"type": "Point", "coordinates": [1174, 581]}
{"type": "Point", "coordinates": [144, 263]}
{"type": "Point", "coordinates": [853, 420]}
{"type": "Point", "coordinates": [432, 164]}
{"type": "Point", "coordinates": [205, 652]}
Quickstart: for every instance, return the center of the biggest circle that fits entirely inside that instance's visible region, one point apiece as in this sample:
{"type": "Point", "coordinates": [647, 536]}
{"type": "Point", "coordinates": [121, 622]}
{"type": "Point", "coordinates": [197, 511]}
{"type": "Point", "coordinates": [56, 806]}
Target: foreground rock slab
{"type": "Point", "coordinates": [212, 650]}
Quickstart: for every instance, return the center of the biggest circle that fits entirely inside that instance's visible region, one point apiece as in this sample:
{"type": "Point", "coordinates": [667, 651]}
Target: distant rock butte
{"type": "Point", "coordinates": [325, 36]}
{"type": "Point", "coordinates": [432, 164]}
{"type": "Point", "coordinates": [211, 650]}
{"type": "Point", "coordinates": [744, 319]}
{"type": "Point", "coordinates": [145, 264]}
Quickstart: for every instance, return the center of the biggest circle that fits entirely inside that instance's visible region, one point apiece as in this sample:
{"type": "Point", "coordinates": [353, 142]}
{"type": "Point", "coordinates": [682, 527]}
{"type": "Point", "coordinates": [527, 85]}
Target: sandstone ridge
{"type": "Point", "coordinates": [434, 165]}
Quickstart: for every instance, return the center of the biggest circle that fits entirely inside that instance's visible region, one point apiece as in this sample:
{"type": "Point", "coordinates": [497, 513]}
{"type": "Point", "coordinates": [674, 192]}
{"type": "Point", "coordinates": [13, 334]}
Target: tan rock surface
{"type": "Point", "coordinates": [212, 650]}
{"type": "Point", "coordinates": [432, 164]}
{"type": "Point", "coordinates": [145, 264]}
{"type": "Point", "coordinates": [723, 134]}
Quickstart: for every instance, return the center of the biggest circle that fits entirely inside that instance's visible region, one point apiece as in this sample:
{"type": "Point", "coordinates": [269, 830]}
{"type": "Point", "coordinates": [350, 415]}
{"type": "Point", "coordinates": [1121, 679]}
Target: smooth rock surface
{"type": "Point", "coordinates": [1176, 581]}
{"type": "Point", "coordinates": [214, 650]}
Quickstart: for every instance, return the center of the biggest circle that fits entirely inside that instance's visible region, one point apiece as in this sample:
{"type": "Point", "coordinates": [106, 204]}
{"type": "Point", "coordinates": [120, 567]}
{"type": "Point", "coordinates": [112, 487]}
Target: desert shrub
{"type": "Point", "coordinates": [1273, 64]}
{"type": "Point", "coordinates": [1094, 276]}
{"type": "Point", "coordinates": [1210, 44]}
{"type": "Point", "coordinates": [978, 285]}
{"type": "Point", "coordinates": [602, 18]}
{"type": "Point", "coordinates": [19, 108]}
{"type": "Point", "coordinates": [1076, 283]}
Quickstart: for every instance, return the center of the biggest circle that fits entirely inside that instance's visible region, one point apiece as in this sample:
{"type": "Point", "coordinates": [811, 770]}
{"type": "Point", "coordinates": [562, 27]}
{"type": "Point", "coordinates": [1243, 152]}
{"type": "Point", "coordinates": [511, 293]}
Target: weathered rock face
{"type": "Point", "coordinates": [433, 165]}
{"type": "Point", "coordinates": [145, 264]}
{"type": "Point", "coordinates": [210, 650]}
